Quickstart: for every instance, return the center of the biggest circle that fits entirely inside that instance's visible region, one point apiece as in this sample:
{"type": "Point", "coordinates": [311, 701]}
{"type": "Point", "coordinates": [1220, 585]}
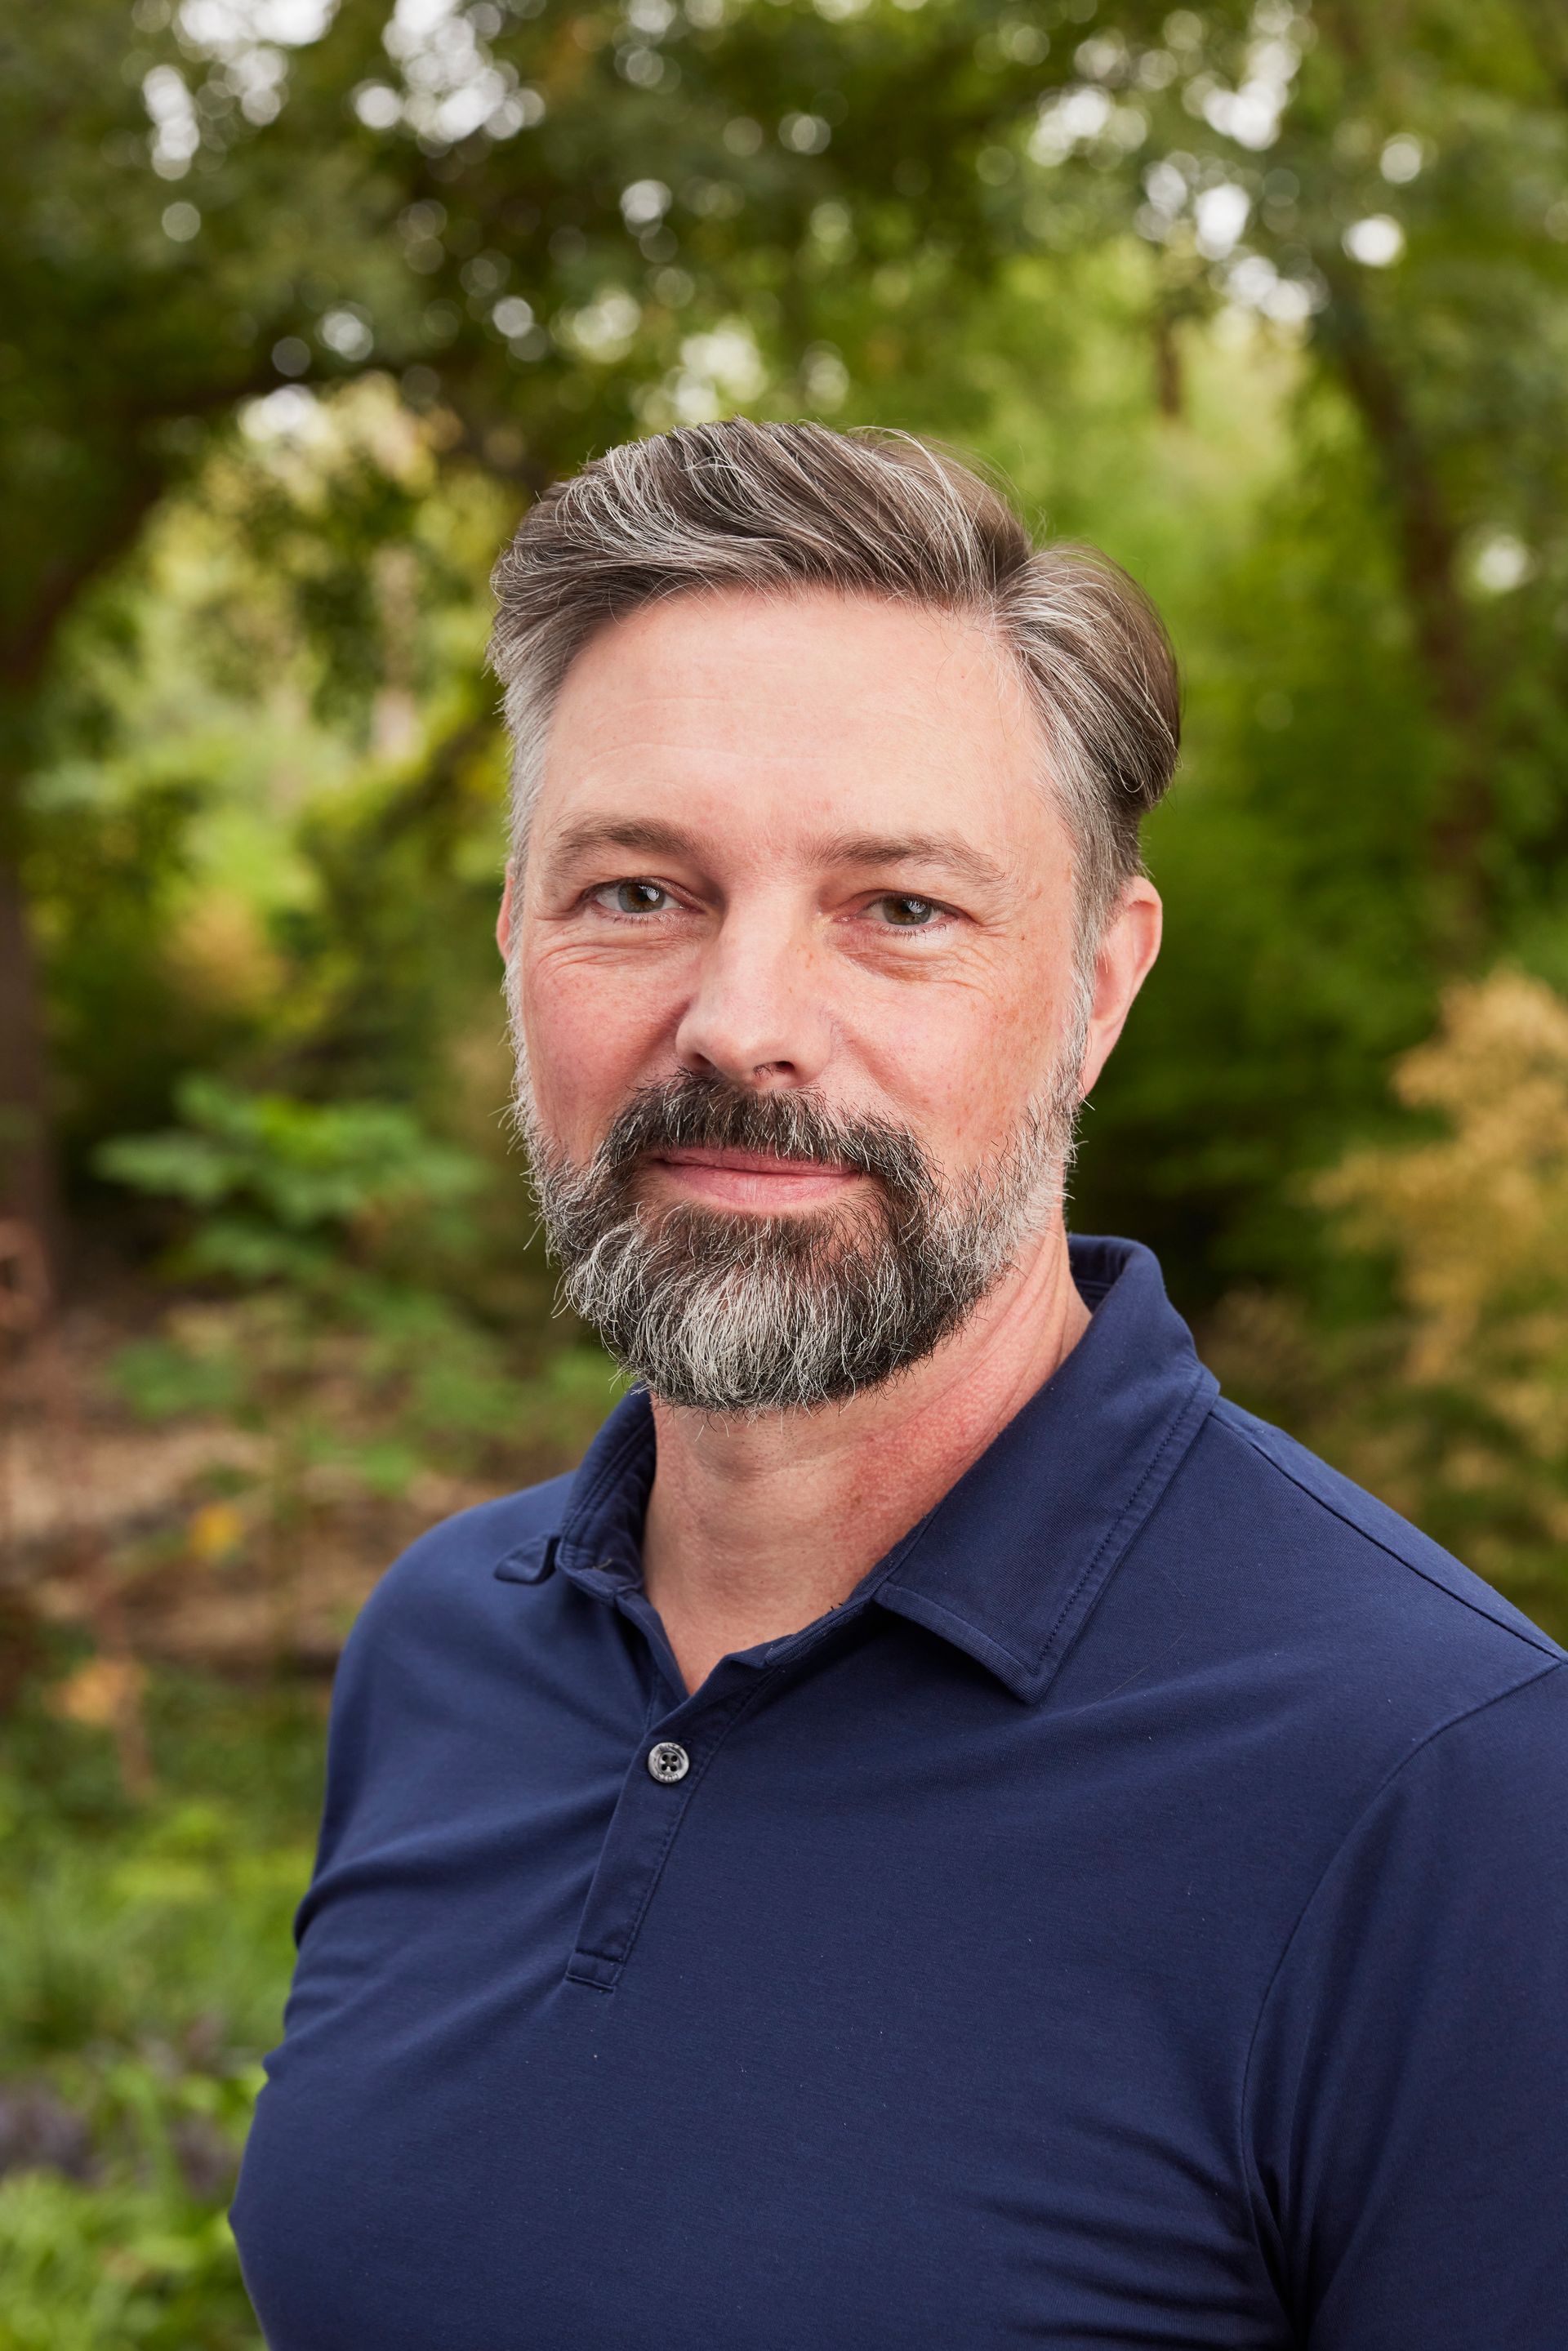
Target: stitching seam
{"type": "Point", "coordinates": [1126, 1525]}
{"type": "Point", "coordinates": [1538, 1646]}
{"type": "Point", "coordinates": [741, 1708]}
{"type": "Point", "coordinates": [1453, 1722]}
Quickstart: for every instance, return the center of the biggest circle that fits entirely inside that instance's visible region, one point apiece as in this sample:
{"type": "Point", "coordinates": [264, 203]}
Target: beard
{"type": "Point", "coordinates": [730, 1312]}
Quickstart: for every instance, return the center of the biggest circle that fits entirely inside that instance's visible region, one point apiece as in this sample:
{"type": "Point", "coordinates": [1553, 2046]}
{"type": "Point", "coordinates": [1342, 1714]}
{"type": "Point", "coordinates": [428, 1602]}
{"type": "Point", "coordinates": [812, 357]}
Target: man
{"type": "Point", "coordinates": [943, 1833]}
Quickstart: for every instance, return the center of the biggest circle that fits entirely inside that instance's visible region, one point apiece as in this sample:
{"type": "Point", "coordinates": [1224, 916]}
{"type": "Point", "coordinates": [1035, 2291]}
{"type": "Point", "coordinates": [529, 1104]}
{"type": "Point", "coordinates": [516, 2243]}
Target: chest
{"type": "Point", "coordinates": [839, 2038]}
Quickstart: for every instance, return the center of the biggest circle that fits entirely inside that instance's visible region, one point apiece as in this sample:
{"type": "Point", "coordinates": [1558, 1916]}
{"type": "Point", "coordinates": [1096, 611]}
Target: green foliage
{"type": "Point", "coordinates": [1453, 1402]}
{"type": "Point", "coordinates": [392, 950]}
{"type": "Point", "coordinates": [163, 1380]}
{"type": "Point", "coordinates": [1049, 235]}
{"type": "Point", "coordinates": [295, 315]}
{"type": "Point", "coordinates": [279, 1184]}
{"type": "Point", "coordinates": [108, 868]}
{"type": "Point", "coordinates": [333, 1223]}
{"type": "Point", "coordinates": [137, 1953]}
{"type": "Point", "coordinates": [91, 2267]}
{"type": "Point", "coordinates": [143, 1960]}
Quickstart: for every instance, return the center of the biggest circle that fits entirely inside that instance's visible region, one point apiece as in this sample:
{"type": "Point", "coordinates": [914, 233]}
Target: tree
{"type": "Point", "coordinates": [244, 194]}
{"type": "Point", "coordinates": [556, 224]}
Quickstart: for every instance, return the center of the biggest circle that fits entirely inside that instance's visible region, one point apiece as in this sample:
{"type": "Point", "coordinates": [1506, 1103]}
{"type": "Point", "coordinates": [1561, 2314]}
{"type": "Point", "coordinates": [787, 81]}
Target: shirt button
{"type": "Point", "coordinates": [668, 1762]}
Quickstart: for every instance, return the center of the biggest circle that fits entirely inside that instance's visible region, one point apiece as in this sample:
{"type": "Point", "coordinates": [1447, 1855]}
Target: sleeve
{"type": "Point", "coordinates": [1408, 2096]}
{"type": "Point", "coordinates": [426, 1635]}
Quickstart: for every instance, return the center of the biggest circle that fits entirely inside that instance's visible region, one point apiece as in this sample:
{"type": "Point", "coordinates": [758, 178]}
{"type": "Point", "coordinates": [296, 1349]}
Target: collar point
{"type": "Point", "coordinates": [529, 1562]}
{"type": "Point", "coordinates": [1027, 1679]}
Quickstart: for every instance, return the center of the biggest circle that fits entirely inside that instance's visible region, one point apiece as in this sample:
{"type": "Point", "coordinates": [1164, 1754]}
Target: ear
{"type": "Point", "coordinates": [1122, 961]}
{"type": "Point", "coordinates": [504, 917]}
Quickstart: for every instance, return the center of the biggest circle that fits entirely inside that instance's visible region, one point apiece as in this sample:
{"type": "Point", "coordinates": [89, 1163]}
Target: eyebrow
{"type": "Point", "coordinates": [626, 832]}
{"type": "Point", "coordinates": [647, 835]}
{"type": "Point", "coordinates": [944, 849]}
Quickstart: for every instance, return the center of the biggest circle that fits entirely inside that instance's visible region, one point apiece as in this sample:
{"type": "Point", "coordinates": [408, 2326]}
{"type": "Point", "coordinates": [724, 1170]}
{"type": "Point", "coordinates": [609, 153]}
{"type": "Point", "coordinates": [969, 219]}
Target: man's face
{"type": "Point", "coordinates": [797, 848]}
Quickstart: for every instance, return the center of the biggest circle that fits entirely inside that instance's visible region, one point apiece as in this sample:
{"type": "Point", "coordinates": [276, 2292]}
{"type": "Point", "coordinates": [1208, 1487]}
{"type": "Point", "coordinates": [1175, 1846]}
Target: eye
{"type": "Point", "coordinates": [633, 898]}
{"type": "Point", "coordinates": [901, 912]}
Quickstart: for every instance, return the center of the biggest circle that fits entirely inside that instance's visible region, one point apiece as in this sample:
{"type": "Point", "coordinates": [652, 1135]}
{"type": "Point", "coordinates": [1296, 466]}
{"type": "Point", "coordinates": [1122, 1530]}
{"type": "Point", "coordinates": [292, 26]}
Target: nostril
{"type": "Point", "coordinates": [761, 1074]}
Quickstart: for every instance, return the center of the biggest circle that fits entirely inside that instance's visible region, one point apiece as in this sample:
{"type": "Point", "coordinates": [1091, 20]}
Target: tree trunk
{"type": "Point", "coordinates": [28, 1186]}
{"type": "Point", "coordinates": [29, 1175]}
{"type": "Point", "coordinates": [1429, 549]}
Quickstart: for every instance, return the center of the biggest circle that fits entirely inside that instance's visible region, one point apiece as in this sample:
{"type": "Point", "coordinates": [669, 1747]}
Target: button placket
{"type": "Point", "coordinates": [662, 1781]}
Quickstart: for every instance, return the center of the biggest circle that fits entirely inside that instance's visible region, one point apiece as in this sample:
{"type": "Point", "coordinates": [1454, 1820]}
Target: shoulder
{"type": "Point", "coordinates": [1279, 1582]}
{"type": "Point", "coordinates": [1393, 1563]}
{"type": "Point", "coordinates": [434, 1648]}
{"type": "Point", "coordinates": [449, 1576]}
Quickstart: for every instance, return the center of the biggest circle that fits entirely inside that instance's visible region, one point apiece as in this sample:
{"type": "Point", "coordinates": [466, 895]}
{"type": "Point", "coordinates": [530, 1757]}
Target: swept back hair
{"type": "Point", "coordinates": [776, 508]}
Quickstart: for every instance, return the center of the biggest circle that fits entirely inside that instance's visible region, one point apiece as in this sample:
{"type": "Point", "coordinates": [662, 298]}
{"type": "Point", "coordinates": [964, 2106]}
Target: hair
{"type": "Point", "coordinates": [782, 508]}
{"type": "Point", "coordinates": [740, 1313]}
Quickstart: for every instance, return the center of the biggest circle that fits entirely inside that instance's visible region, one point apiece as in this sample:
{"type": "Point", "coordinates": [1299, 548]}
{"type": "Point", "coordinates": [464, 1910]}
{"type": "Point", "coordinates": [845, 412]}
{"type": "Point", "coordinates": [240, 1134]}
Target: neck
{"type": "Point", "coordinates": [757, 1527]}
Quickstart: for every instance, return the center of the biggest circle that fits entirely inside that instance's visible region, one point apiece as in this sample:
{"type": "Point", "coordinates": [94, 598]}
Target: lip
{"type": "Point", "coordinates": [748, 1162]}
{"type": "Point", "coordinates": [751, 1179]}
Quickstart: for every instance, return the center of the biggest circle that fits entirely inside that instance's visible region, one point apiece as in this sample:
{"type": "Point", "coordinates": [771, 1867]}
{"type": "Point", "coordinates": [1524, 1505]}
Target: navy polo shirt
{"type": "Point", "coordinates": [1137, 1917]}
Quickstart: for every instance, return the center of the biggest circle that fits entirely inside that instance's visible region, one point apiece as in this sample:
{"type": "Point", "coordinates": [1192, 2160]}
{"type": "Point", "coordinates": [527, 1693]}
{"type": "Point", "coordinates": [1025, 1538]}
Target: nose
{"type": "Point", "coordinates": [757, 1014]}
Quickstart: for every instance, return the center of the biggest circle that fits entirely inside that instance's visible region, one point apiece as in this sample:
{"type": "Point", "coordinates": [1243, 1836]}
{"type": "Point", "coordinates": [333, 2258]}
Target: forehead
{"type": "Point", "coordinates": [776, 710]}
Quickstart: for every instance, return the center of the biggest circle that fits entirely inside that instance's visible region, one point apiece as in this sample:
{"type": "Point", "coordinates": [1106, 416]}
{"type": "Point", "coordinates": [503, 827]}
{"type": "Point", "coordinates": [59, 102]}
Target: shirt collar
{"type": "Point", "coordinates": [1010, 1563]}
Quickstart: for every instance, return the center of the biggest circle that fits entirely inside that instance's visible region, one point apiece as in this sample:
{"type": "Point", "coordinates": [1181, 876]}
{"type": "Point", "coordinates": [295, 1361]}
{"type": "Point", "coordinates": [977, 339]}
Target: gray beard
{"type": "Point", "coordinates": [736, 1313]}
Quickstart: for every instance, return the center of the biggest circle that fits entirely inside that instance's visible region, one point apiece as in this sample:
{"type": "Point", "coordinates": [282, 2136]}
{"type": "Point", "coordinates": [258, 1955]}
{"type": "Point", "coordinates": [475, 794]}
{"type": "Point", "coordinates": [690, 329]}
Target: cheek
{"type": "Point", "coordinates": [593, 1033]}
{"type": "Point", "coordinates": [962, 1062]}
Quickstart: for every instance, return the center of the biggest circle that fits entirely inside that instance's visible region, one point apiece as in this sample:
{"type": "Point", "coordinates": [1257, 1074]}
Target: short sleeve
{"type": "Point", "coordinates": [1407, 2094]}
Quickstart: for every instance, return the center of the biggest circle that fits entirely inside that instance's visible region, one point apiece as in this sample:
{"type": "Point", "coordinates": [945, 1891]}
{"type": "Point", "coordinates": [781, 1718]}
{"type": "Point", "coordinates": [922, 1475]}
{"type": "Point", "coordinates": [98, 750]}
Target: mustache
{"type": "Point", "coordinates": [712, 1113]}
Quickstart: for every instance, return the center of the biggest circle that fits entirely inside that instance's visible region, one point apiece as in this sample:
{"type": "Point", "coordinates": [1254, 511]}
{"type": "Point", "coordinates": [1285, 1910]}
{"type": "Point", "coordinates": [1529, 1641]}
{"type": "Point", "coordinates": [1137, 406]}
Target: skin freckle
{"type": "Point", "coordinates": [754, 745]}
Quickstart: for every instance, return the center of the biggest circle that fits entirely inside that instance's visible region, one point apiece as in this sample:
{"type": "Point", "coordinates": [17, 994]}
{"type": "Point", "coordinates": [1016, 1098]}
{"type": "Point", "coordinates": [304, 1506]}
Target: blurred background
{"type": "Point", "coordinates": [298, 307]}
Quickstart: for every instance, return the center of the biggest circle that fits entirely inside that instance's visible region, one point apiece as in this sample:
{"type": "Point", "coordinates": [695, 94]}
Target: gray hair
{"type": "Point", "coordinates": [739, 1314]}
{"type": "Point", "coordinates": [778, 509]}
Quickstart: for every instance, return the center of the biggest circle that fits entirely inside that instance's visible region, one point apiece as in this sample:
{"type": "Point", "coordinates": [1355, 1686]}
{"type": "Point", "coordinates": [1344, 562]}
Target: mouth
{"type": "Point", "coordinates": [757, 1181]}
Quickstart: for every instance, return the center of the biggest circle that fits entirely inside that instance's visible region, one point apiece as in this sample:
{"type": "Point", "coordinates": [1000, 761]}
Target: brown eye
{"type": "Point", "coordinates": [633, 897]}
{"type": "Point", "coordinates": [907, 913]}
